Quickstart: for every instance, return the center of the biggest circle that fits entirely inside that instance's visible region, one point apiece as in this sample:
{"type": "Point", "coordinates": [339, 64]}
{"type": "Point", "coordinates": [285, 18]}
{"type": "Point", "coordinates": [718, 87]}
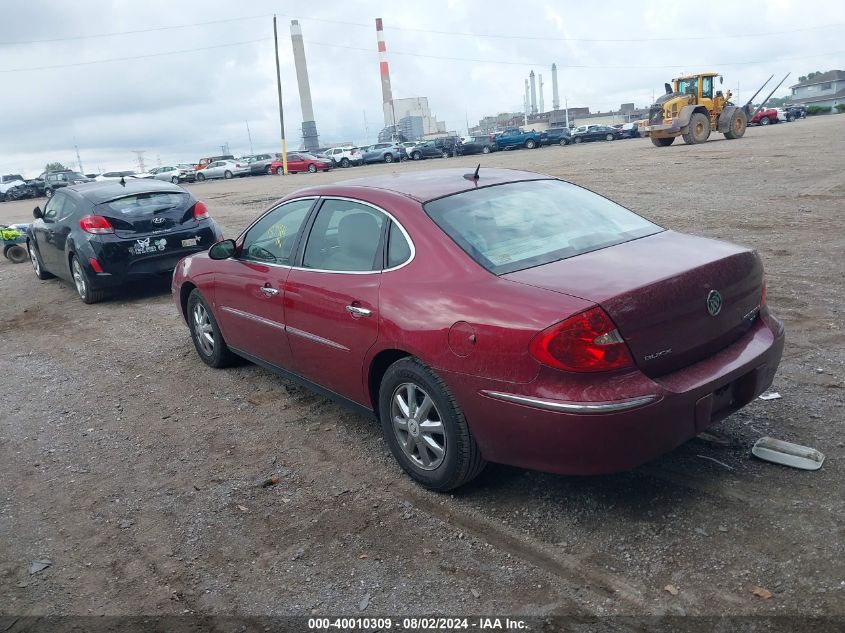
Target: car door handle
{"type": "Point", "coordinates": [358, 311]}
{"type": "Point", "coordinates": [270, 292]}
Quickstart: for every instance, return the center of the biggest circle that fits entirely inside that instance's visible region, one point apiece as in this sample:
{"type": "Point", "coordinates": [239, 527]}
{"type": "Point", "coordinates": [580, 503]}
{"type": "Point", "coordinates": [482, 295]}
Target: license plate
{"type": "Point", "coordinates": [192, 241]}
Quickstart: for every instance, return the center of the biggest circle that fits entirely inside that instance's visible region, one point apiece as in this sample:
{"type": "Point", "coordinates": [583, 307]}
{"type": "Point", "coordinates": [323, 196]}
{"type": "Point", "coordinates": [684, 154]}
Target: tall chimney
{"type": "Point", "coordinates": [542, 106]}
{"type": "Point", "coordinates": [386, 92]}
{"type": "Point", "coordinates": [309, 126]}
{"type": "Point", "coordinates": [555, 95]}
{"type": "Point", "coordinates": [527, 102]}
{"type": "Point", "coordinates": [533, 93]}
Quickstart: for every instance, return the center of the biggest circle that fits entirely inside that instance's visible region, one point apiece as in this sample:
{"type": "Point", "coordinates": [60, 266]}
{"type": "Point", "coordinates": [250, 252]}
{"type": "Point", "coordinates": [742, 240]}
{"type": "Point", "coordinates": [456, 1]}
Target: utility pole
{"type": "Point", "coordinates": [366, 129]}
{"type": "Point", "coordinates": [78, 159]}
{"type": "Point", "coordinates": [281, 109]}
{"type": "Point", "coordinates": [140, 154]}
{"type": "Point", "coordinates": [249, 136]}
{"type": "Point", "coordinates": [566, 107]}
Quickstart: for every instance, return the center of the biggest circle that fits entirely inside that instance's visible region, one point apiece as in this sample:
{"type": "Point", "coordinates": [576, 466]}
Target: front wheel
{"type": "Point", "coordinates": [344, 162]}
{"type": "Point", "coordinates": [83, 284]}
{"type": "Point", "coordinates": [415, 155]}
{"type": "Point", "coordinates": [765, 121]}
{"type": "Point", "coordinates": [16, 254]}
{"type": "Point", "coordinates": [227, 175]}
{"type": "Point", "coordinates": [578, 139]}
{"type": "Point", "coordinates": [37, 266]}
{"type": "Point", "coordinates": [388, 158]}
{"type": "Point", "coordinates": [609, 137]}
{"type": "Point", "coordinates": [530, 144]}
{"type": "Point", "coordinates": [280, 171]}
{"type": "Point", "coordinates": [208, 340]}
{"type": "Point", "coordinates": [485, 149]}
{"type": "Point", "coordinates": [425, 428]}
{"type": "Point", "coordinates": [200, 177]}
{"type": "Point", "coordinates": [269, 170]}
{"type": "Point", "coordinates": [174, 180]}
{"type": "Point", "coordinates": [564, 142]}
{"type": "Point", "coordinates": [312, 168]}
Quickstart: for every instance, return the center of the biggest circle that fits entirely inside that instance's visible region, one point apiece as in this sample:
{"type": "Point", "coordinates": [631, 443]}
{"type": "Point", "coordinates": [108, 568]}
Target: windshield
{"type": "Point", "coordinates": [524, 224]}
{"type": "Point", "coordinates": [75, 175]}
{"type": "Point", "coordinates": [687, 86]}
{"type": "Point", "coordinates": [147, 203]}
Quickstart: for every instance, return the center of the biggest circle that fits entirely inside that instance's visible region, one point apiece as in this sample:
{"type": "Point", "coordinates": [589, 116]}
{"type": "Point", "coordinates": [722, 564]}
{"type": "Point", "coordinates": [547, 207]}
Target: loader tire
{"type": "Point", "coordinates": [698, 129]}
{"type": "Point", "coordinates": [738, 124]}
{"type": "Point", "coordinates": [662, 142]}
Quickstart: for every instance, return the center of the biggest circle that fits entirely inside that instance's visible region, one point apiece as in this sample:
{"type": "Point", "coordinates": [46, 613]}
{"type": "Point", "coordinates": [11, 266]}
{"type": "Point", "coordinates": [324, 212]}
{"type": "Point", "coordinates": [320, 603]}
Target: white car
{"type": "Point", "coordinates": [169, 174]}
{"type": "Point", "coordinates": [344, 156]}
{"type": "Point", "coordinates": [782, 116]}
{"type": "Point", "coordinates": [223, 169]}
{"type": "Point", "coordinates": [584, 128]}
{"type": "Point", "coordinates": [116, 175]}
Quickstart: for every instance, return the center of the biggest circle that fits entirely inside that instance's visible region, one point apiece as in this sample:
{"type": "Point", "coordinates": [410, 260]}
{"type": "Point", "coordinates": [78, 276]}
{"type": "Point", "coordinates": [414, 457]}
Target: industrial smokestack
{"type": "Point", "coordinates": [533, 93]}
{"type": "Point", "coordinates": [542, 106]}
{"type": "Point", "coordinates": [555, 95]}
{"type": "Point", "coordinates": [527, 102]}
{"type": "Point", "coordinates": [386, 92]}
{"type": "Point", "coordinates": [309, 127]}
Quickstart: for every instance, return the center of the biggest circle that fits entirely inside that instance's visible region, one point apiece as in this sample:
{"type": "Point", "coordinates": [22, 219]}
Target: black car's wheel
{"type": "Point", "coordinates": [83, 284]}
{"type": "Point", "coordinates": [609, 137]}
{"type": "Point", "coordinates": [416, 156]}
{"type": "Point", "coordinates": [16, 254]}
{"type": "Point", "coordinates": [578, 139]}
{"type": "Point", "coordinates": [175, 180]}
{"type": "Point", "coordinates": [344, 162]}
{"type": "Point", "coordinates": [37, 266]}
{"type": "Point", "coordinates": [388, 158]}
{"type": "Point", "coordinates": [312, 168]}
{"type": "Point", "coordinates": [227, 175]}
{"type": "Point", "coordinates": [48, 193]}
{"type": "Point", "coordinates": [205, 333]}
{"type": "Point", "coordinates": [425, 428]}
{"type": "Point", "coordinates": [200, 177]}
{"type": "Point", "coordinates": [444, 154]}
{"type": "Point", "coordinates": [530, 144]}
{"type": "Point", "coordinates": [485, 149]}
{"type": "Point", "coordinates": [564, 142]}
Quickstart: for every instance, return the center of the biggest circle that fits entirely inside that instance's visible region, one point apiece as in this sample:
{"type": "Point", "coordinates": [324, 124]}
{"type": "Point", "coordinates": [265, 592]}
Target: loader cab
{"type": "Point", "coordinates": [701, 87]}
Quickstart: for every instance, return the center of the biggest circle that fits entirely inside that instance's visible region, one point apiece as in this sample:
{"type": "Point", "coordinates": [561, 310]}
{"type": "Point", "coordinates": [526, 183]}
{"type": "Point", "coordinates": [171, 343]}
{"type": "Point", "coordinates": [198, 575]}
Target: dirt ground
{"type": "Point", "coordinates": [137, 470]}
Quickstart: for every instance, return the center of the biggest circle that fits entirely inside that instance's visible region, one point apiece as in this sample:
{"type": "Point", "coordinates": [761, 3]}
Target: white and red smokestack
{"type": "Point", "coordinates": [386, 92]}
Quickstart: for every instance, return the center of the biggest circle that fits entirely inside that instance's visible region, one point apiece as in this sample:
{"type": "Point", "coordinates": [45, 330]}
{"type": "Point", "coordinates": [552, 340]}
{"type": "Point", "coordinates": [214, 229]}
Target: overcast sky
{"type": "Point", "coordinates": [179, 106]}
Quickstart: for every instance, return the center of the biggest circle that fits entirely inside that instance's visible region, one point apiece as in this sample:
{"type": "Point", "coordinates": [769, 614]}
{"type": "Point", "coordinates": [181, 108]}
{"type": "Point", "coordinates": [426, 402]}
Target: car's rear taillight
{"type": "Point", "coordinates": [96, 225]}
{"type": "Point", "coordinates": [586, 342]}
{"type": "Point", "coordinates": [200, 211]}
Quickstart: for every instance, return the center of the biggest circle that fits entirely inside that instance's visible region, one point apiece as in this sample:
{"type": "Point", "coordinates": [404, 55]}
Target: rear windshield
{"type": "Point", "coordinates": [146, 203]}
{"type": "Point", "coordinates": [524, 224]}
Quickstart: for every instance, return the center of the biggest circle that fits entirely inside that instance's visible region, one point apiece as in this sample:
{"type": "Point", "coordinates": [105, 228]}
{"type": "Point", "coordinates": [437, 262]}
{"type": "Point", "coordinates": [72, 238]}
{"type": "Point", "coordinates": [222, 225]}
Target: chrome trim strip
{"type": "Point", "coordinates": [254, 317]}
{"type": "Point", "coordinates": [570, 407]}
{"type": "Point", "coordinates": [315, 338]}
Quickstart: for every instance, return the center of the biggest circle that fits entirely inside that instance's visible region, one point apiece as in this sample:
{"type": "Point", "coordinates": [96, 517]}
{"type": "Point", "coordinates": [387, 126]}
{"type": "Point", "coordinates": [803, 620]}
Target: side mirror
{"type": "Point", "coordinates": [222, 250]}
{"type": "Point", "coordinates": [37, 213]}
{"type": "Point", "coordinates": [721, 79]}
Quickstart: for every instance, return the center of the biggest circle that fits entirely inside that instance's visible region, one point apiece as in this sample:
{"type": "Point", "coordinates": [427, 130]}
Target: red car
{"type": "Point", "coordinates": [302, 162]}
{"type": "Point", "coordinates": [512, 318]}
{"type": "Point", "coordinates": [764, 117]}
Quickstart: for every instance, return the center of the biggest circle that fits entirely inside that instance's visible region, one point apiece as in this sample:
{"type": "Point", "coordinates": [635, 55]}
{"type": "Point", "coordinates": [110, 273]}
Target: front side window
{"type": "Point", "coordinates": [346, 236]}
{"type": "Point", "coordinates": [519, 225]}
{"type": "Point", "coordinates": [271, 240]}
{"type": "Point", "coordinates": [54, 207]}
{"type": "Point", "coordinates": [707, 87]}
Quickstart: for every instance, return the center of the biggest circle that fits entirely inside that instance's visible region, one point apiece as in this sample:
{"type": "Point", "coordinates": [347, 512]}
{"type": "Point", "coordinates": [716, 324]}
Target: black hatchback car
{"type": "Point", "coordinates": [597, 133]}
{"type": "Point", "coordinates": [101, 235]}
{"type": "Point", "coordinates": [482, 144]}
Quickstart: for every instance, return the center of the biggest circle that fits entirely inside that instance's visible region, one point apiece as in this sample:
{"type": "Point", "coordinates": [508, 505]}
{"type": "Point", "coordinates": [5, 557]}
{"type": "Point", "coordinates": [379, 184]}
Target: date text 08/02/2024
{"type": "Point", "coordinates": [417, 624]}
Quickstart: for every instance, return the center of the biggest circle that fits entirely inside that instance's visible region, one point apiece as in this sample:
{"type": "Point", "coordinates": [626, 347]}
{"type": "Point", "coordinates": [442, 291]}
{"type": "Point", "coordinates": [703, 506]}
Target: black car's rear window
{"type": "Point", "coordinates": [146, 203]}
{"type": "Point", "coordinates": [524, 224]}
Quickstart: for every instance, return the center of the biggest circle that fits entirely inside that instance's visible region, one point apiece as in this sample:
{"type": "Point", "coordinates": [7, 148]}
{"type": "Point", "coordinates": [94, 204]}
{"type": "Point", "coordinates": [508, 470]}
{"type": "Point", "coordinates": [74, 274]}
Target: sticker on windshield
{"type": "Point", "coordinates": [144, 247]}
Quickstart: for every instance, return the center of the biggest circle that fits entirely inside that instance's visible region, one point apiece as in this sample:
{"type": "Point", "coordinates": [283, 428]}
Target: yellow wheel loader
{"type": "Point", "coordinates": [693, 108]}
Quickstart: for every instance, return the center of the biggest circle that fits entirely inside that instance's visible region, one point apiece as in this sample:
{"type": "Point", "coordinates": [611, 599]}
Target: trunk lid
{"type": "Point", "coordinates": [142, 214]}
{"type": "Point", "coordinates": [656, 290]}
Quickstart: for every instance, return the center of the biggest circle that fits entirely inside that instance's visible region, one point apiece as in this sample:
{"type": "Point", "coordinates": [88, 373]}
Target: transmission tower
{"type": "Point", "coordinates": [140, 154]}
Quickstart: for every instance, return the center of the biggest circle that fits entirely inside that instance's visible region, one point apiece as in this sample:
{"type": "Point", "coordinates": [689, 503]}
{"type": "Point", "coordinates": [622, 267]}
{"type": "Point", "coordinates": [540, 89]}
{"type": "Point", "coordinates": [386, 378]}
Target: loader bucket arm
{"type": "Point", "coordinates": [759, 90]}
{"type": "Point", "coordinates": [763, 102]}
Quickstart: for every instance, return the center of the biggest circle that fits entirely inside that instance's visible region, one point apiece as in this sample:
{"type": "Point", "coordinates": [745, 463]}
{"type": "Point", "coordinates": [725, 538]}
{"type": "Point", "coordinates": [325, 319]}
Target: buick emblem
{"type": "Point", "coordinates": [714, 302]}
{"type": "Point", "coordinates": [158, 220]}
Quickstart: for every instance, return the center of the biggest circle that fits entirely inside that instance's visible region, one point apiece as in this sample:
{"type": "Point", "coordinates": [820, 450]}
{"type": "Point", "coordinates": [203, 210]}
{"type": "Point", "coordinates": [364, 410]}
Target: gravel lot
{"type": "Point", "coordinates": [137, 470]}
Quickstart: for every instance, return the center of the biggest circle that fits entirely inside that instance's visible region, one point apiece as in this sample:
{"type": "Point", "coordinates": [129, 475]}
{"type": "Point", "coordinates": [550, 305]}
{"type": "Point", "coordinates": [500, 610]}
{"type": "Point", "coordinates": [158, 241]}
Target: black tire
{"type": "Point", "coordinates": [578, 139]}
{"type": "Point", "coordinates": [530, 144]}
{"type": "Point", "coordinates": [269, 170]}
{"type": "Point", "coordinates": [388, 158]}
{"type": "Point", "coordinates": [174, 180]}
{"type": "Point", "coordinates": [662, 142]}
{"type": "Point", "coordinates": [609, 137]}
{"type": "Point", "coordinates": [416, 156]}
{"type": "Point", "coordinates": [738, 124]}
{"type": "Point", "coordinates": [48, 193]}
{"type": "Point", "coordinates": [16, 254]}
{"type": "Point", "coordinates": [280, 171]}
{"type": "Point", "coordinates": [462, 460]}
{"type": "Point", "coordinates": [227, 174]}
{"type": "Point", "coordinates": [37, 266]}
{"type": "Point", "coordinates": [312, 168]}
{"type": "Point", "coordinates": [698, 129]}
{"type": "Point", "coordinates": [485, 149]}
{"type": "Point", "coordinates": [564, 142]}
{"type": "Point", "coordinates": [789, 118]}
{"type": "Point", "coordinates": [200, 177]}
{"type": "Point", "coordinates": [765, 121]}
{"type": "Point", "coordinates": [83, 283]}
{"type": "Point", "coordinates": [344, 162]}
{"type": "Point", "coordinates": [219, 355]}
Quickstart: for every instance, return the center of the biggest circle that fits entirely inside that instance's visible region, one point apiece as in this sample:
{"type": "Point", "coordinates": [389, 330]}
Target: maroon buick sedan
{"type": "Point", "coordinates": [509, 317]}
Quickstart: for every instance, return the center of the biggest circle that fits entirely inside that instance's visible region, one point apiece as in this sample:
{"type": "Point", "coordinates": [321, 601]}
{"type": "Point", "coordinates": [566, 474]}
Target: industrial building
{"type": "Point", "coordinates": [311, 141]}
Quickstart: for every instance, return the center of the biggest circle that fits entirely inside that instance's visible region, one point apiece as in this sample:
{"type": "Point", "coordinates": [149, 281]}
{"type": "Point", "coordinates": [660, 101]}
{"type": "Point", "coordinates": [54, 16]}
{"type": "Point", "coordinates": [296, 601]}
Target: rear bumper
{"type": "Point", "coordinates": [633, 418]}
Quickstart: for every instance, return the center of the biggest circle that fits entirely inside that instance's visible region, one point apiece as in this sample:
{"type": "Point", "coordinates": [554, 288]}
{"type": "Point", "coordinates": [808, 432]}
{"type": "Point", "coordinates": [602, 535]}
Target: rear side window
{"type": "Point", "coordinates": [346, 236]}
{"type": "Point", "coordinates": [524, 224]}
{"type": "Point", "coordinates": [147, 203]}
{"type": "Point", "coordinates": [398, 249]}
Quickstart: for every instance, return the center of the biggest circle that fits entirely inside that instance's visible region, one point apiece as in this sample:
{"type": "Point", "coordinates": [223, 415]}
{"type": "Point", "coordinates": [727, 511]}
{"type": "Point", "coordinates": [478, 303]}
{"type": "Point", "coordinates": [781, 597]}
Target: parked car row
{"type": "Point", "coordinates": [583, 378]}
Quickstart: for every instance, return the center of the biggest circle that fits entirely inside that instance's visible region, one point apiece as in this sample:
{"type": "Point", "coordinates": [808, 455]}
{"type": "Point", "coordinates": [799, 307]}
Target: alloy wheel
{"type": "Point", "coordinates": [34, 259]}
{"type": "Point", "coordinates": [418, 426]}
{"type": "Point", "coordinates": [203, 330]}
{"type": "Point", "coordinates": [79, 278]}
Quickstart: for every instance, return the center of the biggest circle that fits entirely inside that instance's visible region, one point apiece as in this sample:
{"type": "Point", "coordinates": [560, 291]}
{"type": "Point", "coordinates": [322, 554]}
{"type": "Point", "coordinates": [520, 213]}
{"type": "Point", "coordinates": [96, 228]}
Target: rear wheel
{"type": "Point", "coordinates": [174, 180]}
{"type": "Point", "coordinates": [738, 124]}
{"type": "Point", "coordinates": [564, 142]}
{"type": "Point", "coordinates": [388, 158]}
{"type": "Point", "coordinates": [200, 177]}
{"type": "Point", "coordinates": [269, 170]}
{"type": "Point", "coordinates": [578, 139]}
{"type": "Point", "coordinates": [312, 168]}
{"type": "Point", "coordinates": [609, 137]}
{"type": "Point", "coordinates": [16, 254]}
{"type": "Point", "coordinates": [37, 266]}
{"type": "Point", "coordinates": [344, 162]}
{"type": "Point", "coordinates": [698, 129]}
{"type": "Point", "coordinates": [485, 149]}
{"type": "Point", "coordinates": [425, 428]}
{"type": "Point", "coordinates": [416, 156]}
{"type": "Point", "coordinates": [83, 284]}
{"type": "Point", "coordinates": [662, 142]}
{"type": "Point", "coordinates": [227, 175]}
{"type": "Point", "coordinates": [208, 340]}
{"type": "Point", "coordinates": [530, 144]}
{"type": "Point", "coordinates": [444, 154]}
{"type": "Point", "coordinates": [280, 171]}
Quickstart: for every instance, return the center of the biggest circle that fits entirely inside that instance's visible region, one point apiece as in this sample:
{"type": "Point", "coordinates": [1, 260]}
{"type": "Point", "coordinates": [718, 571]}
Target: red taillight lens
{"type": "Point", "coordinates": [96, 224]}
{"type": "Point", "coordinates": [586, 342]}
{"type": "Point", "coordinates": [200, 211]}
